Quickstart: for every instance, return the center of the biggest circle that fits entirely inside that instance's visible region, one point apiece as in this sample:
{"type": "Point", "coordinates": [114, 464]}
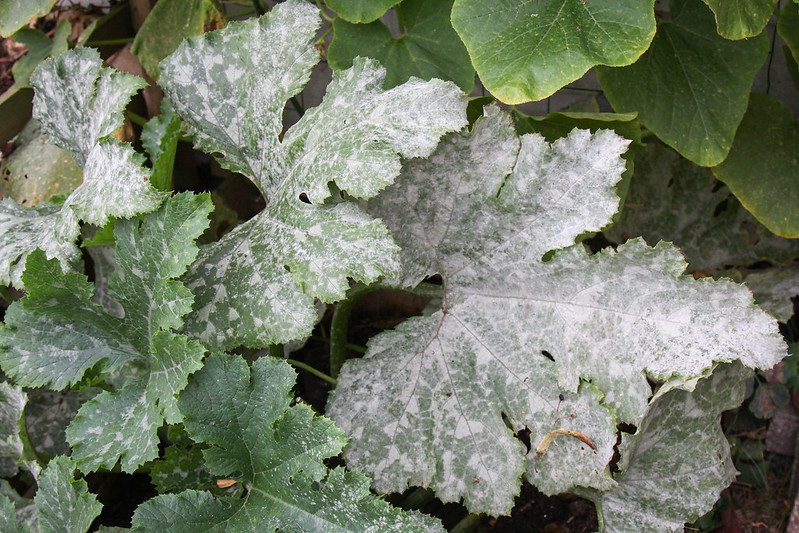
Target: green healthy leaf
{"type": "Point", "coordinates": [788, 28]}
{"type": "Point", "coordinates": [528, 50]}
{"type": "Point", "coordinates": [74, 334]}
{"type": "Point", "coordinates": [691, 87]}
{"type": "Point", "coordinates": [78, 102]}
{"type": "Point", "coordinates": [36, 170]}
{"type": "Point", "coordinates": [671, 199]}
{"type": "Point", "coordinates": [16, 13]}
{"type": "Point", "coordinates": [160, 136]}
{"type": "Point", "coordinates": [40, 46]}
{"type": "Point", "coordinates": [515, 331]}
{"type": "Point", "coordinates": [361, 11]}
{"type": "Point", "coordinates": [741, 19]}
{"type": "Point", "coordinates": [169, 22]}
{"type": "Point", "coordinates": [12, 403]}
{"type": "Point", "coordinates": [429, 47]}
{"type": "Point", "coordinates": [64, 503]}
{"type": "Point", "coordinates": [762, 170]}
{"type": "Point", "coordinates": [257, 284]}
{"type": "Point", "coordinates": [677, 463]}
{"type": "Point", "coordinates": [276, 451]}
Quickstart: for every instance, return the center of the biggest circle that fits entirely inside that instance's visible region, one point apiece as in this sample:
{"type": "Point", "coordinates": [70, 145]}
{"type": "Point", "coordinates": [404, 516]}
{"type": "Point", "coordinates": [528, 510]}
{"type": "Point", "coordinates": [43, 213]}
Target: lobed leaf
{"type": "Point", "coordinates": [528, 50]}
{"type": "Point", "coordinates": [64, 503]}
{"type": "Point", "coordinates": [276, 452]}
{"type": "Point", "coordinates": [691, 87]}
{"type": "Point", "coordinates": [12, 403]}
{"type": "Point", "coordinates": [74, 334]}
{"type": "Point", "coordinates": [743, 19]}
{"type": "Point", "coordinates": [520, 327]}
{"type": "Point", "coordinates": [678, 461]}
{"type": "Point", "coordinates": [257, 284]}
{"type": "Point", "coordinates": [361, 11]}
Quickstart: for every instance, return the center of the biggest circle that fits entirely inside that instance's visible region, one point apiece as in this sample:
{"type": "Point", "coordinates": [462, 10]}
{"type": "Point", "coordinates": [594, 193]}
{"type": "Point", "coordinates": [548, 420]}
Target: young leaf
{"type": "Point", "coordinates": [78, 102]}
{"type": "Point", "coordinates": [428, 48]}
{"type": "Point", "coordinates": [678, 461]}
{"type": "Point", "coordinates": [160, 136]}
{"type": "Point", "coordinates": [74, 334]}
{"type": "Point", "coordinates": [762, 170]}
{"type": "Point", "coordinates": [691, 87]}
{"type": "Point", "coordinates": [257, 284]}
{"type": "Point", "coordinates": [275, 450]}
{"type": "Point", "coordinates": [39, 47]}
{"type": "Point", "coordinates": [528, 50]}
{"type": "Point", "coordinates": [740, 20]}
{"type": "Point", "coordinates": [516, 331]}
{"type": "Point", "coordinates": [64, 503]}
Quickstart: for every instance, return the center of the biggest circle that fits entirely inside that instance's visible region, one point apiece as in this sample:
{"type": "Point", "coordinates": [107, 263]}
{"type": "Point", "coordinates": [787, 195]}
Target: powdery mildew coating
{"type": "Point", "coordinates": [78, 105]}
{"type": "Point", "coordinates": [425, 405]}
{"type": "Point", "coordinates": [257, 284]}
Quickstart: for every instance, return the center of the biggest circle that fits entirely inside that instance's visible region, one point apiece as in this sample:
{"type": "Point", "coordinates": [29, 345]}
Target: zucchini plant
{"type": "Point", "coordinates": [598, 374]}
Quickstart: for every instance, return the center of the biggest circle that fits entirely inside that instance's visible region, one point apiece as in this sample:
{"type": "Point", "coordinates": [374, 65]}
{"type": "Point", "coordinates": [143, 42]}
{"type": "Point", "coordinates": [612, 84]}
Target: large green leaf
{"type": "Point", "coordinates": [740, 19]}
{"type": "Point", "coordinates": [257, 284]}
{"type": "Point", "coordinates": [762, 169]}
{"type": "Point", "coordinates": [73, 334]}
{"type": "Point", "coordinates": [691, 87]}
{"type": "Point", "coordinates": [516, 331]}
{"type": "Point", "coordinates": [360, 11]}
{"type": "Point", "coordinates": [788, 28]}
{"type": "Point", "coordinates": [678, 461]}
{"type": "Point", "coordinates": [169, 22]}
{"type": "Point", "coordinates": [671, 199]}
{"type": "Point", "coordinates": [78, 106]}
{"type": "Point", "coordinates": [275, 450]}
{"type": "Point", "coordinates": [16, 13]}
{"type": "Point", "coordinates": [526, 50]}
{"type": "Point", "coordinates": [429, 47]}
{"type": "Point", "coordinates": [65, 504]}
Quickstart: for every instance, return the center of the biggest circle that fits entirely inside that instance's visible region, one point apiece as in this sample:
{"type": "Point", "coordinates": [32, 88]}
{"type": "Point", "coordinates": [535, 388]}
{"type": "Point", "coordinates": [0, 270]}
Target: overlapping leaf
{"type": "Point", "coordinates": [79, 106]}
{"type": "Point", "coordinates": [528, 50]}
{"type": "Point", "coordinates": [15, 13]}
{"type": "Point", "coordinates": [692, 86]}
{"type": "Point", "coordinates": [73, 334]}
{"type": "Point", "coordinates": [671, 199]}
{"type": "Point", "coordinates": [741, 19]}
{"type": "Point", "coordinates": [64, 503]}
{"type": "Point", "coordinates": [361, 11]}
{"type": "Point", "coordinates": [677, 463]}
{"type": "Point", "coordinates": [426, 403]}
{"type": "Point", "coordinates": [275, 450]}
{"type": "Point", "coordinates": [257, 284]}
{"type": "Point", "coordinates": [762, 170]}
{"type": "Point", "coordinates": [428, 48]}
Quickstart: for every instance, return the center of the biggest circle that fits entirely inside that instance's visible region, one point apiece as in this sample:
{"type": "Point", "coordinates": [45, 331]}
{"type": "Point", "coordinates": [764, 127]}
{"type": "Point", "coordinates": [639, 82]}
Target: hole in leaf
{"type": "Point", "coordinates": [547, 355]}
{"type": "Point", "coordinates": [524, 436]}
{"type": "Point", "coordinates": [288, 268]}
{"type": "Point", "coordinates": [304, 198]}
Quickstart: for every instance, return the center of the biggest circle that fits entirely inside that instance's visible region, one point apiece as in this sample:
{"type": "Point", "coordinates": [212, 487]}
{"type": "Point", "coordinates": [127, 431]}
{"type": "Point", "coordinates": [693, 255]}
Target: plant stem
{"type": "Point", "coordinates": [109, 42]}
{"type": "Point", "coordinates": [258, 7]}
{"type": "Point", "coordinates": [419, 497]}
{"type": "Point", "coordinates": [297, 107]}
{"type": "Point", "coordinates": [341, 316]}
{"type": "Point", "coordinates": [323, 12]}
{"type": "Point", "coordinates": [28, 451]}
{"type": "Point", "coordinates": [468, 524]}
{"type": "Point", "coordinates": [312, 370]}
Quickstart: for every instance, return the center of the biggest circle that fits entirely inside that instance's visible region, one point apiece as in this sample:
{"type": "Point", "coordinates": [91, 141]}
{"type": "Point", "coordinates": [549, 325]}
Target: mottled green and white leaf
{"type": "Point", "coordinates": [256, 286]}
{"type": "Point", "coordinates": [678, 461]}
{"type": "Point", "coordinates": [774, 290]}
{"type": "Point", "coordinates": [78, 102]}
{"type": "Point", "coordinates": [275, 450]}
{"type": "Point", "coordinates": [12, 404]}
{"type": "Point", "coordinates": [516, 331]}
{"type": "Point", "coordinates": [671, 199]}
{"type": "Point", "coordinates": [65, 504]}
{"type": "Point", "coordinates": [74, 334]}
